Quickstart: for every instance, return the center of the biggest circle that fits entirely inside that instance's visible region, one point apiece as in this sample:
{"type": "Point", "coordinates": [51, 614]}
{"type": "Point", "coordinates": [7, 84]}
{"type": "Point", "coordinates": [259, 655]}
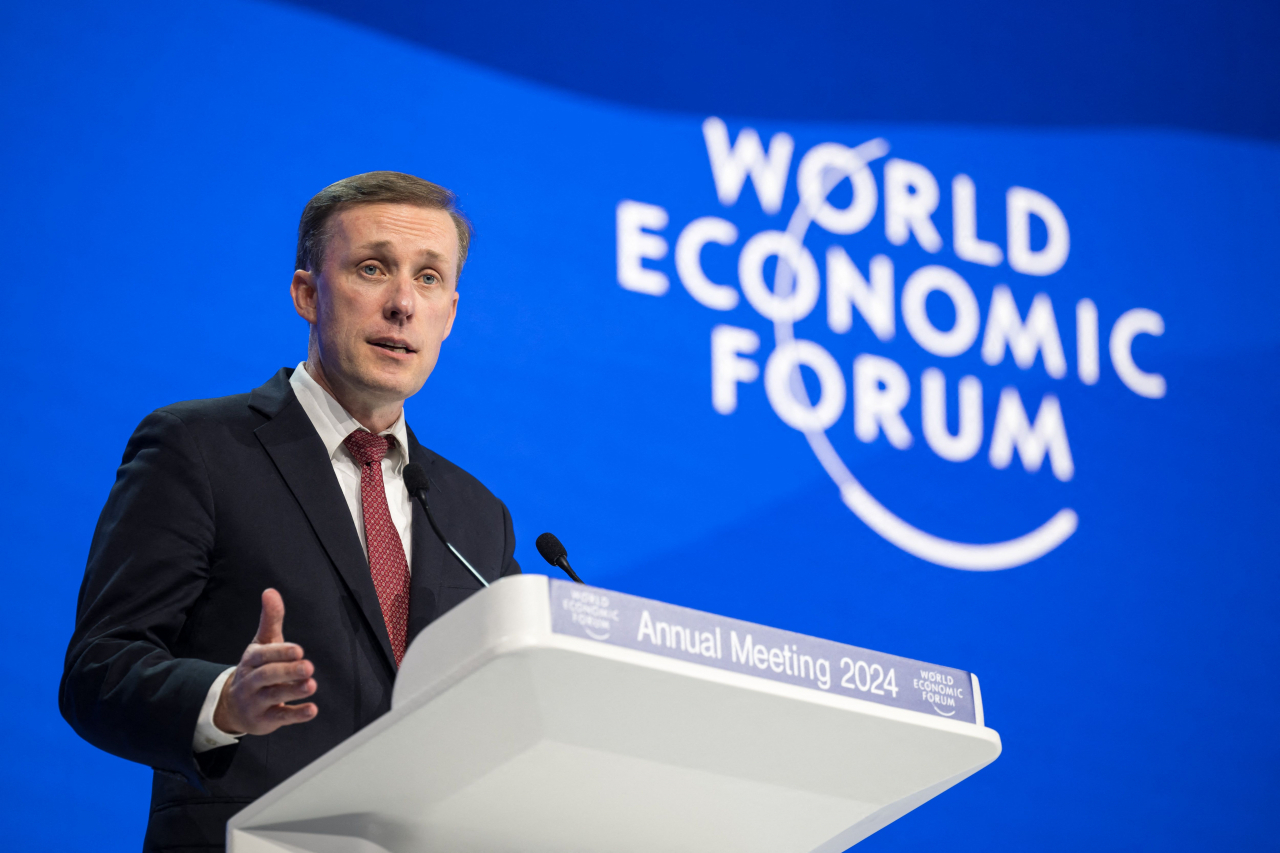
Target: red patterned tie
{"type": "Point", "coordinates": [386, 551]}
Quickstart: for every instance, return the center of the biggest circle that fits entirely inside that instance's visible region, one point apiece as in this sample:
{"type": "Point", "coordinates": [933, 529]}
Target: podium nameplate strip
{"type": "Point", "coordinates": [692, 635]}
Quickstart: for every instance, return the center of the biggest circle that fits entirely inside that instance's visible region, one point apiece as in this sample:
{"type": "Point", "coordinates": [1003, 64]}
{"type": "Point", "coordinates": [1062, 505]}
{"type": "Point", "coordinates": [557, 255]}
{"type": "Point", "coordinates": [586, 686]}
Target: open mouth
{"type": "Point", "coordinates": [392, 346]}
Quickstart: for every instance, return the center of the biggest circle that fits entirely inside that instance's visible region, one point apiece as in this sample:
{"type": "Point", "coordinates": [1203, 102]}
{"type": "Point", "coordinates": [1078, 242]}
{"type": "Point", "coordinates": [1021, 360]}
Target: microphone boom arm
{"type": "Point", "coordinates": [426, 507]}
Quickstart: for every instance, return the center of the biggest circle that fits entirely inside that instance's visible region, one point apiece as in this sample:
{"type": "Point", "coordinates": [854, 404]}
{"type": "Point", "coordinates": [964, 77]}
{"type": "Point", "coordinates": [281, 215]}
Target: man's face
{"type": "Point", "coordinates": [383, 300]}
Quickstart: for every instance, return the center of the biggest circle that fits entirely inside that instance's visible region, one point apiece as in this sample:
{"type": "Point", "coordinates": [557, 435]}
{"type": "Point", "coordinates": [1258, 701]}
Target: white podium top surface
{"type": "Point", "coordinates": [540, 715]}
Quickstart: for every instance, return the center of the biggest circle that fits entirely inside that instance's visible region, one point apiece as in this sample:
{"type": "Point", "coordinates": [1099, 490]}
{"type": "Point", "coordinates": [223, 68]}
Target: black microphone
{"type": "Point", "coordinates": [418, 484]}
{"type": "Point", "coordinates": [553, 552]}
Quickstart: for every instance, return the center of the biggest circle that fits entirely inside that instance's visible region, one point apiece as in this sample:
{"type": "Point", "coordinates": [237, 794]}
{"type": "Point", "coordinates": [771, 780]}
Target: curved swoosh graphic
{"type": "Point", "coordinates": [978, 557]}
{"type": "Point", "coordinates": [935, 549]}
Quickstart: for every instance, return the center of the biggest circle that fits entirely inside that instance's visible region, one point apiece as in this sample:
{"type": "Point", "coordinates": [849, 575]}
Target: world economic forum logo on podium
{"type": "Point", "coordinates": [589, 609]}
{"type": "Point", "coordinates": [866, 288]}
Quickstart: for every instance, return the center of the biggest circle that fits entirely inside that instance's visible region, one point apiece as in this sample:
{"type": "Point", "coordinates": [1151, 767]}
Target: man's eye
{"type": "Point", "coordinates": [429, 278]}
{"type": "Point", "coordinates": [369, 269]}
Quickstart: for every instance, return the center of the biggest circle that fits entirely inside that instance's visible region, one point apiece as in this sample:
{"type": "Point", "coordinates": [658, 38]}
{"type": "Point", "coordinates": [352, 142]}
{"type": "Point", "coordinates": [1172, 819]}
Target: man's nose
{"type": "Point", "coordinates": [400, 299]}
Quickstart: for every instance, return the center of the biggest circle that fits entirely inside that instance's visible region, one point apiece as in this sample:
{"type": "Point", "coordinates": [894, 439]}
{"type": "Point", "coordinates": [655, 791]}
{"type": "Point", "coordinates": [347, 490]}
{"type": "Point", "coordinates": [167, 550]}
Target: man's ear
{"type": "Point", "coordinates": [453, 315]}
{"type": "Point", "coordinates": [305, 296]}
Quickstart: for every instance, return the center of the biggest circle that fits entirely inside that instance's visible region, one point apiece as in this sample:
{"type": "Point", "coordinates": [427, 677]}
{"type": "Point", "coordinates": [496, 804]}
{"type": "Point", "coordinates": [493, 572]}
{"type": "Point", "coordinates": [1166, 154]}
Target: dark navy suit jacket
{"type": "Point", "coordinates": [215, 501]}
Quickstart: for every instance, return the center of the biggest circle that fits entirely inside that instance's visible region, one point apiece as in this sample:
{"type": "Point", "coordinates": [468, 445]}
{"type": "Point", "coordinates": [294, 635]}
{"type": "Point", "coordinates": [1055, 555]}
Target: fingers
{"type": "Point", "coordinates": [287, 715]}
{"type": "Point", "coordinates": [271, 623]}
{"type": "Point", "coordinates": [262, 693]}
{"type": "Point", "coordinates": [256, 655]}
{"type": "Point", "coordinates": [269, 697]}
{"type": "Point", "coordinates": [271, 674]}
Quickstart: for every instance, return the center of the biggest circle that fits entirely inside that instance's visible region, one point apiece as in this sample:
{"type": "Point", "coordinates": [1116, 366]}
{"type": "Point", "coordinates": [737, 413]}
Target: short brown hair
{"type": "Point", "coordinates": [373, 188]}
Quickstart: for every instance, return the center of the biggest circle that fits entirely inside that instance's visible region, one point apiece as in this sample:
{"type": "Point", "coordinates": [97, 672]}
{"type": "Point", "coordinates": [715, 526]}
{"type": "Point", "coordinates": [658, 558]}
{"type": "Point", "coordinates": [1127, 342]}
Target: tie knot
{"type": "Point", "coordinates": [367, 447]}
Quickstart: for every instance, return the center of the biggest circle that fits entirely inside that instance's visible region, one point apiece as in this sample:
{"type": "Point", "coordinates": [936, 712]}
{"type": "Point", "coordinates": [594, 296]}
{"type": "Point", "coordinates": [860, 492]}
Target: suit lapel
{"type": "Point", "coordinates": [298, 453]}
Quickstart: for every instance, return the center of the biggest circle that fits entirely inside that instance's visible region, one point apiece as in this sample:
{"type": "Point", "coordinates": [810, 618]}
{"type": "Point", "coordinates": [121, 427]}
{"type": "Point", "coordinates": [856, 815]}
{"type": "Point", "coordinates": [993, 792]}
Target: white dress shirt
{"type": "Point", "coordinates": [333, 423]}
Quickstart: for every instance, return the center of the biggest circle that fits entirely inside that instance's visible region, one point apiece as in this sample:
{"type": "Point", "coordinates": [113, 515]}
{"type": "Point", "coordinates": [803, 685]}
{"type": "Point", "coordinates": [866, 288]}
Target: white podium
{"type": "Point", "coordinates": [540, 715]}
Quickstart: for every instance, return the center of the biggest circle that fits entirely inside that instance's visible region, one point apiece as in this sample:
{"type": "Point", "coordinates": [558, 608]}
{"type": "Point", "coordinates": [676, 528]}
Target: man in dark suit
{"type": "Point", "coordinates": [225, 510]}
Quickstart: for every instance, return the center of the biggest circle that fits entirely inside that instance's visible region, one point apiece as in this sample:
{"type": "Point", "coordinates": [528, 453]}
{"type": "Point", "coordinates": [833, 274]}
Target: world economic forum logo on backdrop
{"type": "Point", "coordinates": [866, 288]}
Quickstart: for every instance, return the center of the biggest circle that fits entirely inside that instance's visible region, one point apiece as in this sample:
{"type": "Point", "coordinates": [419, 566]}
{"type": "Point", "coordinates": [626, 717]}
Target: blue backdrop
{"type": "Point", "coordinates": [156, 158]}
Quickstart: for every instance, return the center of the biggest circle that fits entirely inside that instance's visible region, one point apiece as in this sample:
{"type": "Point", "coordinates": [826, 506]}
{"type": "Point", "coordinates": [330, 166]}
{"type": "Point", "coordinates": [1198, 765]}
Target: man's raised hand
{"type": "Point", "coordinates": [271, 673]}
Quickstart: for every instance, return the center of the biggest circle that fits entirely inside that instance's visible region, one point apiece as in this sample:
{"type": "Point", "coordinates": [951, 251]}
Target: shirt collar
{"type": "Point", "coordinates": [334, 423]}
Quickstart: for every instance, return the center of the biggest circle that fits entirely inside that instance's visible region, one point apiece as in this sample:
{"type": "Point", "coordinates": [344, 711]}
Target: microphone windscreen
{"type": "Point", "coordinates": [415, 478]}
{"type": "Point", "coordinates": [550, 548]}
